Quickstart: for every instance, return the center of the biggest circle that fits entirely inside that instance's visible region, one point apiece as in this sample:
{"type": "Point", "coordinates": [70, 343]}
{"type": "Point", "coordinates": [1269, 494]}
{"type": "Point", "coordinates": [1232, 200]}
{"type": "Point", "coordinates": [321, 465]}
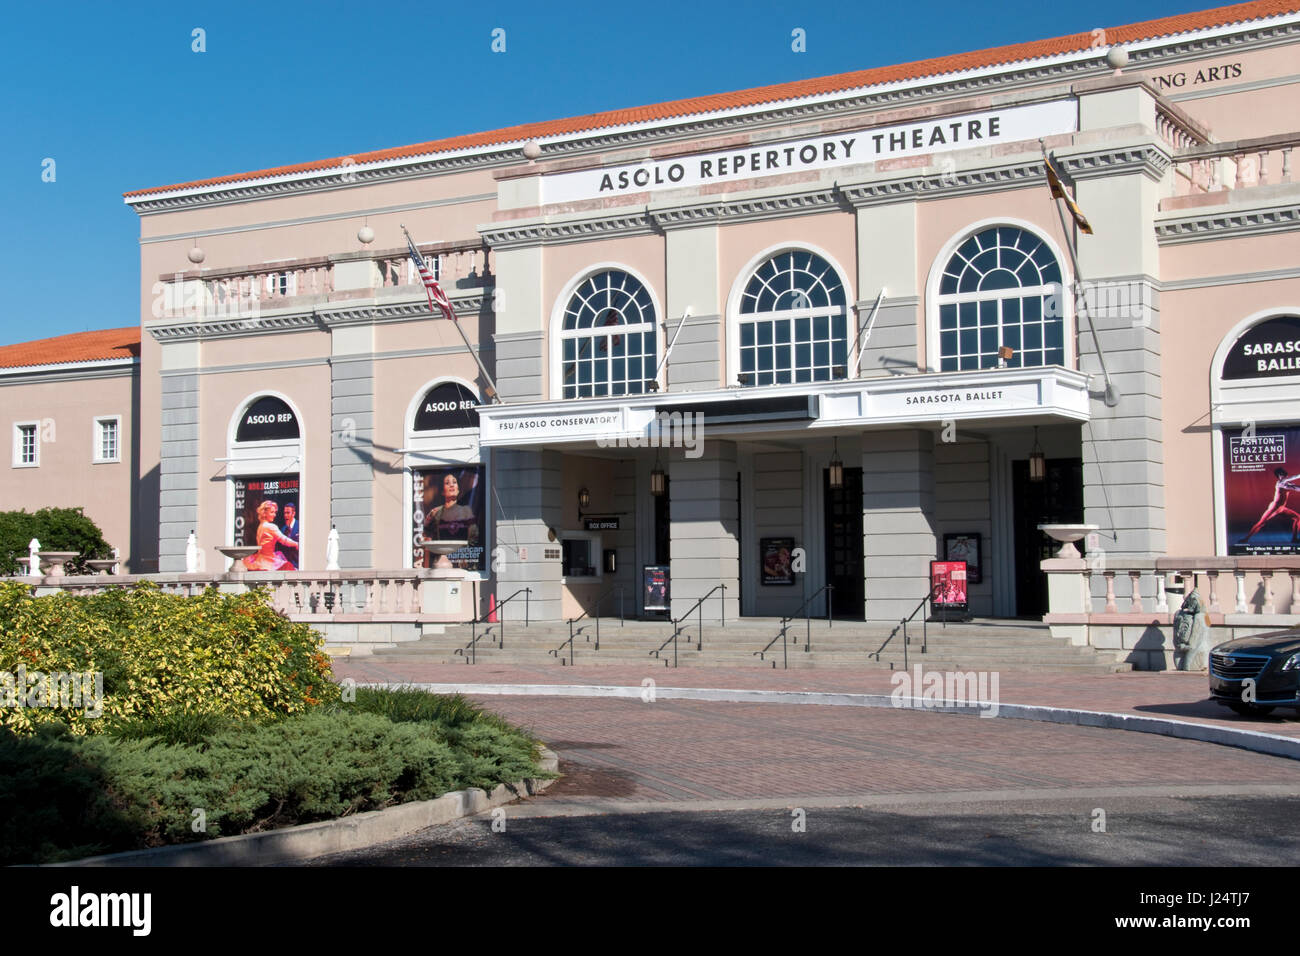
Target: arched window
{"type": "Point", "coordinates": [608, 338]}
{"type": "Point", "coordinates": [1001, 287]}
{"type": "Point", "coordinates": [793, 321]}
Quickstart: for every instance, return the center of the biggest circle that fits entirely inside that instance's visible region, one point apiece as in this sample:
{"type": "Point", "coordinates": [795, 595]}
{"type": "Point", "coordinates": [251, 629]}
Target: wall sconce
{"type": "Point", "coordinates": [611, 561]}
{"type": "Point", "coordinates": [657, 480]}
{"type": "Point", "coordinates": [836, 468]}
{"type": "Point", "coordinates": [1037, 460]}
{"type": "Point", "coordinates": [584, 499]}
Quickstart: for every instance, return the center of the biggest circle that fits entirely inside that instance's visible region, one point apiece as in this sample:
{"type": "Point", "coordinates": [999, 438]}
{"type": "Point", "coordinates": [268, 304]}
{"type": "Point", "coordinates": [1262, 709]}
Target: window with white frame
{"type": "Point", "coordinates": [108, 438]}
{"type": "Point", "coordinates": [27, 448]}
{"type": "Point", "coordinates": [793, 322]}
{"type": "Point", "coordinates": [608, 341]}
{"type": "Point", "coordinates": [1001, 288]}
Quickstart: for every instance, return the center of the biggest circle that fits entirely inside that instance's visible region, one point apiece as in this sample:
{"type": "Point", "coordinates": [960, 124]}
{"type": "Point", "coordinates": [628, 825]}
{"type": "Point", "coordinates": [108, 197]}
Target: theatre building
{"type": "Point", "coordinates": [820, 333]}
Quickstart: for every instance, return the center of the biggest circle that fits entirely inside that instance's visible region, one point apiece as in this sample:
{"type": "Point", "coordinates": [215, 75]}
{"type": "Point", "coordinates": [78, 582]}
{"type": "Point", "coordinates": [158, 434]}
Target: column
{"type": "Point", "coordinates": [178, 467]}
{"type": "Point", "coordinates": [352, 429]}
{"type": "Point", "coordinates": [692, 259]}
{"type": "Point", "coordinates": [528, 488]}
{"type": "Point", "coordinates": [899, 537]}
{"type": "Point", "coordinates": [704, 529]}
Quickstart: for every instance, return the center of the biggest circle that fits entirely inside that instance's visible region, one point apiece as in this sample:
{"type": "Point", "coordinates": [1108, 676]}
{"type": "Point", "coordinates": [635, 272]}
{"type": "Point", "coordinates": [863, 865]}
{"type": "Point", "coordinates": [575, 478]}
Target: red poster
{"type": "Point", "coordinates": [948, 580]}
{"type": "Point", "coordinates": [1261, 490]}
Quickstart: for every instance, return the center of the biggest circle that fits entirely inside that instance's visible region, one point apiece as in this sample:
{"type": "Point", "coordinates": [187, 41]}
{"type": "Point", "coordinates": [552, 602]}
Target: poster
{"type": "Point", "coordinates": [948, 581]}
{"type": "Point", "coordinates": [964, 546]}
{"type": "Point", "coordinates": [267, 516]}
{"type": "Point", "coordinates": [1261, 489]}
{"type": "Point", "coordinates": [777, 560]}
{"type": "Point", "coordinates": [654, 579]}
{"type": "Point", "coordinates": [449, 505]}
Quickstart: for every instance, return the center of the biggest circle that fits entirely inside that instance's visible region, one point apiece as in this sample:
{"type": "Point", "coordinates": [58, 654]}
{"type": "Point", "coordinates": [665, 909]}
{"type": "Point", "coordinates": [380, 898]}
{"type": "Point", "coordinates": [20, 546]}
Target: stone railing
{"type": "Point", "coordinates": [246, 290]}
{"type": "Point", "coordinates": [1201, 170]}
{"type": "Point", "coordinates": [314, 596]}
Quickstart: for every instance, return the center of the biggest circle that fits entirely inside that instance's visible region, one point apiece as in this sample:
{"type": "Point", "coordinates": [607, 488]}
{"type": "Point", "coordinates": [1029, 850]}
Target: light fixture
{"type": "Point", "coordinates": [584, 499]}
{"type": "Point", "coordinates": [657, 483]}
{"type": "Point", "coordinates": [611, 561]}
{"type": "Point", "coordinates": [836, 468]}
{"type": "Point", "coordinates": [196, 255]}
{"type": "Point", "coordinates": [1037, 460]}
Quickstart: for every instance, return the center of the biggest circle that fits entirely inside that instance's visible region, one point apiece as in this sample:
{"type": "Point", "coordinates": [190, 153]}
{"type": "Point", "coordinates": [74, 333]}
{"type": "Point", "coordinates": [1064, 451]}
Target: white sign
{"type": "Point", "coordinates": [551, 426]}
{"type": "Point", "coordinates": [936, 135]}
{"type": "Point", "coordinates": [951, 402]}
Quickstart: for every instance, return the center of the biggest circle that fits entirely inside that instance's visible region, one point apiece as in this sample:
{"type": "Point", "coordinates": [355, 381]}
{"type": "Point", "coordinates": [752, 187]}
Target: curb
{"type": "Point", "coordinates": [1275, 745]}
{"type": "Point", "coordinates": [309, 840]}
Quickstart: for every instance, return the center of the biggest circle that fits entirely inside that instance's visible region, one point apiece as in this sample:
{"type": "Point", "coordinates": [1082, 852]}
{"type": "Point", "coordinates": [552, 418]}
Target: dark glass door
{"type": "Point", "coordinates": [843, 516]}
{"type": "Point", "coordinates": [663, 525]}
{"type": "Point", "coordinates": [1057, 499]}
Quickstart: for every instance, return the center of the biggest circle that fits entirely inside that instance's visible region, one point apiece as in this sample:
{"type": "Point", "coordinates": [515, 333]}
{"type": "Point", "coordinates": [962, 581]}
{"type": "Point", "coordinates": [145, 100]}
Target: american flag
{"type": "Point", "coordinates": [431, 285]}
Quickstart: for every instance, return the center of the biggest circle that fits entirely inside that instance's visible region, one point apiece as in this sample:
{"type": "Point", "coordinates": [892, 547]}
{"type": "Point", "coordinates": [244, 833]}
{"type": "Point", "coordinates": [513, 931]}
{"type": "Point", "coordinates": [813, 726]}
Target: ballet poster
{"type": "Point", "coordinates": [267, 517]}
{"type": "Point", "coordinates": [449, 505]}
{"type": "Point", "coordinates": [1261, 490]}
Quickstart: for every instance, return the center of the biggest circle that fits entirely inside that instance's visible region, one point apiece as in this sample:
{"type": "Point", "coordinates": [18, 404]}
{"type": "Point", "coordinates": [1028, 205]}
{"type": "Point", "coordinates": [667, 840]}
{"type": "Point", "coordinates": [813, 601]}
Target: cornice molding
{"type": "Point", "coordinates": [1228, 225]}
{"type": "Point", "coordinates": [689, 128]}
{"type": "Point", "coordinates": [543, 232]}
{"type": "Point", "coordinates": [1150, 159]}
{"type": "Point", "coordinates": [321, 319]}
{"type": "Point", "coordinates": [745, 210]}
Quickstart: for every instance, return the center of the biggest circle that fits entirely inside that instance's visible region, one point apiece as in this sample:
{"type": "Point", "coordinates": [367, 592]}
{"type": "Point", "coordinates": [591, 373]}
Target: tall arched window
{"type": "Point", "coordinates": [608, 339]}
{"type": "Point", "coordinates": [793, 321]}
{"type": "Point", "coordinates": [1001, 287]}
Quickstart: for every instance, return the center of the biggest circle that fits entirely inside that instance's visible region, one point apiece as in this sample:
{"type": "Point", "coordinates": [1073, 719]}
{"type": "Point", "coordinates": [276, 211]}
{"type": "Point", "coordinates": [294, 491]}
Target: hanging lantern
{"type": "Point", "coordinates": [584, 499]}
{"type": "Point", "coordinates": [657, 483]}
{"type": "Point", "coordinates": [1037, 460]}
{"type": "Point", "coordinates": [836, 468]}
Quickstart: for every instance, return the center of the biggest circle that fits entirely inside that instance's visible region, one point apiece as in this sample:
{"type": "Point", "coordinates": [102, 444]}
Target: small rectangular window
{"type": "Point", "coordinates": [108, 439]}
{"type": "Point", "coordinates": [27, 449]}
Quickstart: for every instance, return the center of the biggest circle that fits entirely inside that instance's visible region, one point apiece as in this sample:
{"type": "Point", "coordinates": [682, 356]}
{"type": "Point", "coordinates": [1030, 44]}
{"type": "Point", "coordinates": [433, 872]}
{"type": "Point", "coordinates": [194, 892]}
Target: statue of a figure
{"type": "Point", "coordinates": [1192, 633]}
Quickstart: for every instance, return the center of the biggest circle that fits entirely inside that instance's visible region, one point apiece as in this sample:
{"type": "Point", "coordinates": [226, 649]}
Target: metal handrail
{"type": "Point", "coordinates": [785, 655]}
{"type": "Point", "coordinates": [526, 592]}
{"type": "Point", "coordinates": [671, 640]}
{"type": "Point", "coordinates": [929, 596]}
{"type": "Point", "coordinates": [472, 646]}
{"type": "Point", "coordinates": [785, 623]}
{"type": "Point", "coordinates": [596, 616]}
{"type": "Point", "coordinates": [699, 646]}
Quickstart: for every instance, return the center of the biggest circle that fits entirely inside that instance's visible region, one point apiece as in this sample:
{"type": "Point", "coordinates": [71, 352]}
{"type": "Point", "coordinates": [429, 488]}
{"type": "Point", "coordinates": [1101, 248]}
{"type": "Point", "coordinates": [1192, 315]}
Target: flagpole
{"type": "Point", "coordinates": [491, 385]}
{"type": "Point", "coordinates": [1111, 396]}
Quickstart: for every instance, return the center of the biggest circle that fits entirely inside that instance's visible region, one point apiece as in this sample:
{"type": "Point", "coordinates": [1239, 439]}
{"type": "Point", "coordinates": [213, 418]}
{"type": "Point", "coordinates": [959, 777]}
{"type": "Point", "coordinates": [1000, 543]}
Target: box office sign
{"type": "Point", "coordinates": [448, 505]}
{"type": "Point", "coordinates": [931, 135]}
{"type": "Point", "coordinates": [1261, 490]}
{"type": "Point", "coordinates": [268, 516]}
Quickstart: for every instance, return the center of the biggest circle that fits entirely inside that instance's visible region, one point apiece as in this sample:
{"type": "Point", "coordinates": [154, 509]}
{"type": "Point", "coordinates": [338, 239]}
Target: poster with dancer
{"type": "Point", "coordinates": [948, 583]}
{"type": "Point", "coordinates": [267, 517]}
{"type": "Point", "coordinates": [1261, 490]}
{"type": "Point", "coordinates": [449, 505]}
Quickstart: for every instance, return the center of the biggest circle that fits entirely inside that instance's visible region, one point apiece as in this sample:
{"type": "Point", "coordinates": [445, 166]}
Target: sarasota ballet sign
{"type": "Point", "coordinates": [934, 135]}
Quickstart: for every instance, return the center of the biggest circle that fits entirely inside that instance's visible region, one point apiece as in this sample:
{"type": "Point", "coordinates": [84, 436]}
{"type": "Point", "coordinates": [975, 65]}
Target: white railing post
{"type": "Point", "coordinates": [1135, 599]}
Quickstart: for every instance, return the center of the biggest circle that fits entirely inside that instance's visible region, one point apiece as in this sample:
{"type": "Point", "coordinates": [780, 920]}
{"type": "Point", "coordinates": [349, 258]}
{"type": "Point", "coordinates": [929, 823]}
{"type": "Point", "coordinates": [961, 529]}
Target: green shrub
{"type": "Point", "coordinates": [162, 656]}
{"type": "Point", "coordinates": [57, 529]}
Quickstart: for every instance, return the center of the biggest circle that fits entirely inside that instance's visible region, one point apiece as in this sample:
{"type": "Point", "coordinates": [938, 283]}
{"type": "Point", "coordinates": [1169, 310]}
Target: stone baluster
{"type": "Point", "coordinates": [1212, 584]}
{"type": "Point", "coordinates": [1110, 607]}
{"type": "Point", "coordinates": [1135, 599]}
{"type": "Point", "coordinates": [1263, 169]}
{"type": "Point", "coordinates": [1240, 607]}
{"type": "Point", "coordinates": [1162, 596]}
{"type": "Point", "coordinates": [1240, 160]}
{"type": "Point", "coordinates": [1269, 607]}
{"type": "Point", "coordinates": [1286, 165]}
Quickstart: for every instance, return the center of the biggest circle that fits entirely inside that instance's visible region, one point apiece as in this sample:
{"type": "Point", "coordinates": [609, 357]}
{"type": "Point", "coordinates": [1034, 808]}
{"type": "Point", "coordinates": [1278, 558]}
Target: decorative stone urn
{"type": "Point", "coordinates": [1067, 534]}
{"type": "Point", "coordinates": [442, 549]}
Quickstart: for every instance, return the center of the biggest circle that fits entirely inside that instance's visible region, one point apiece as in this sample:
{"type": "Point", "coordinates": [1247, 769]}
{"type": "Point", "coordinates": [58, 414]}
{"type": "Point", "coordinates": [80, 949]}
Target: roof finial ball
{"type": "Point", "coordinates": [1117, 59]}
{"type": "Point", "coordinates": [196, 255]}
{"type": "Point", "coordinates": [532, 150]}
{"type": "Point", "coordinates": [365, 235]}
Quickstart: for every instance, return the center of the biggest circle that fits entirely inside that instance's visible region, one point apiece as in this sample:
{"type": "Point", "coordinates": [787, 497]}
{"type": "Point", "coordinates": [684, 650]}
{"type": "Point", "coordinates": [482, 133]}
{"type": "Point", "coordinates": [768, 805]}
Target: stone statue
{"type": "Point", "coordinates": [1192, 633]}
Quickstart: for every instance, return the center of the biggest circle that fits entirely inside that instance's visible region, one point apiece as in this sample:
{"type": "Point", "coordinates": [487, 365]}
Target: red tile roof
{"type": "Point", "coordinates": [1150, 29]}
{"type": "Point", "coordinates": [77, 347]}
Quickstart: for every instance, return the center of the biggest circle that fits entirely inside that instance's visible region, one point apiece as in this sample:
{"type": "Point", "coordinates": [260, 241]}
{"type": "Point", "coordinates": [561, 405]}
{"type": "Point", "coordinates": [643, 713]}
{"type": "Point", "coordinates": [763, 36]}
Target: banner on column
{"type": "Point", "coordinates": [267, 516]}
{"type": "Point", "coordinates": [449, 505]}
{"type": "Point", "coordinates": [1261, 490]}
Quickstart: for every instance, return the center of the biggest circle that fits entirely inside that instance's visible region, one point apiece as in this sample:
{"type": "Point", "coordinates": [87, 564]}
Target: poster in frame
{"type": "Point", "coordinates": [965, 546]}
{"type": "Point", "coordinates": [948, 585]}
{"type": "Point", "coordinates": [776, 561]}
{"type": "Point", "coordinates": [267, 516]}
{"type": "Point", "coordinates": [1261, 490]}
{"type": "Point", "coordinates": [449, 504]}
{"type": "Point", "coordinates": [655, 585]}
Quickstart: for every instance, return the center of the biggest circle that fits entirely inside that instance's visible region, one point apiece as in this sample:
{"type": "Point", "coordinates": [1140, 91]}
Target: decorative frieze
{"type": "Point", "coordinates": [1224, 225]}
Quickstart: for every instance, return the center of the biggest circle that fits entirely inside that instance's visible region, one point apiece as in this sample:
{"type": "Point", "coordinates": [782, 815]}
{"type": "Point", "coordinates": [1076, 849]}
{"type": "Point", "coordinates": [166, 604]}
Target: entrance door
{"type": "Point", "coordinates": [844, 543]}
{"type": "Point", "coordinates": [1057, 499]}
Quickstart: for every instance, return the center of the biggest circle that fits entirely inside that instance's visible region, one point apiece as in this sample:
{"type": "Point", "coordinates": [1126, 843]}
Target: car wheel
{"type": "Point", "coordinates": [1250, 710]}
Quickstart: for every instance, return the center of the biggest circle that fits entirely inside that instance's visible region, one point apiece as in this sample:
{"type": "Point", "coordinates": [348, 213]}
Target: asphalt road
{"type": "Point", "coordinates": [1147, 830]}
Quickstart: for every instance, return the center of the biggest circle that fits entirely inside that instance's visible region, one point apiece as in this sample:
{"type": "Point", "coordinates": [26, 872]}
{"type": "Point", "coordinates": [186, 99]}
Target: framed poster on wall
{"type": "Point", "coordinates": [267, 516]}
{"type": "Point", "coordinates": [449, 505]}
{"type": "Point", "coordinates": [965, 546]}
{"type": "Point", "coordinates": [1261, 489]}
{"type": "Point", "coordinates": [777, 562]}
{"type": "Point", "coordinates": [654, 584]}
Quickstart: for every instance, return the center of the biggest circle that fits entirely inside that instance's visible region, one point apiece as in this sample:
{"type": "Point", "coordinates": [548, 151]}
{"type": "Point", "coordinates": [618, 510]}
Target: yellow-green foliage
{"type": "Point", "coordinates": [162, 655]}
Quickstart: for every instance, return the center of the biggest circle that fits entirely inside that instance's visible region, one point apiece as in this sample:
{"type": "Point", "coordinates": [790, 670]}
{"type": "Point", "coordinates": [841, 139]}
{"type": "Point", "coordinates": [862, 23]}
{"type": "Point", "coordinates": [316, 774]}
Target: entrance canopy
{"type": "Point", "coordinates": [983, 396]}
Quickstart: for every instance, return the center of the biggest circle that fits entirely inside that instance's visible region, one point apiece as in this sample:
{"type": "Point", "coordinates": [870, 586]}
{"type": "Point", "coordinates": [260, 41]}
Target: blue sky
{"type": "Point", "coordinates": [115, 96]}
